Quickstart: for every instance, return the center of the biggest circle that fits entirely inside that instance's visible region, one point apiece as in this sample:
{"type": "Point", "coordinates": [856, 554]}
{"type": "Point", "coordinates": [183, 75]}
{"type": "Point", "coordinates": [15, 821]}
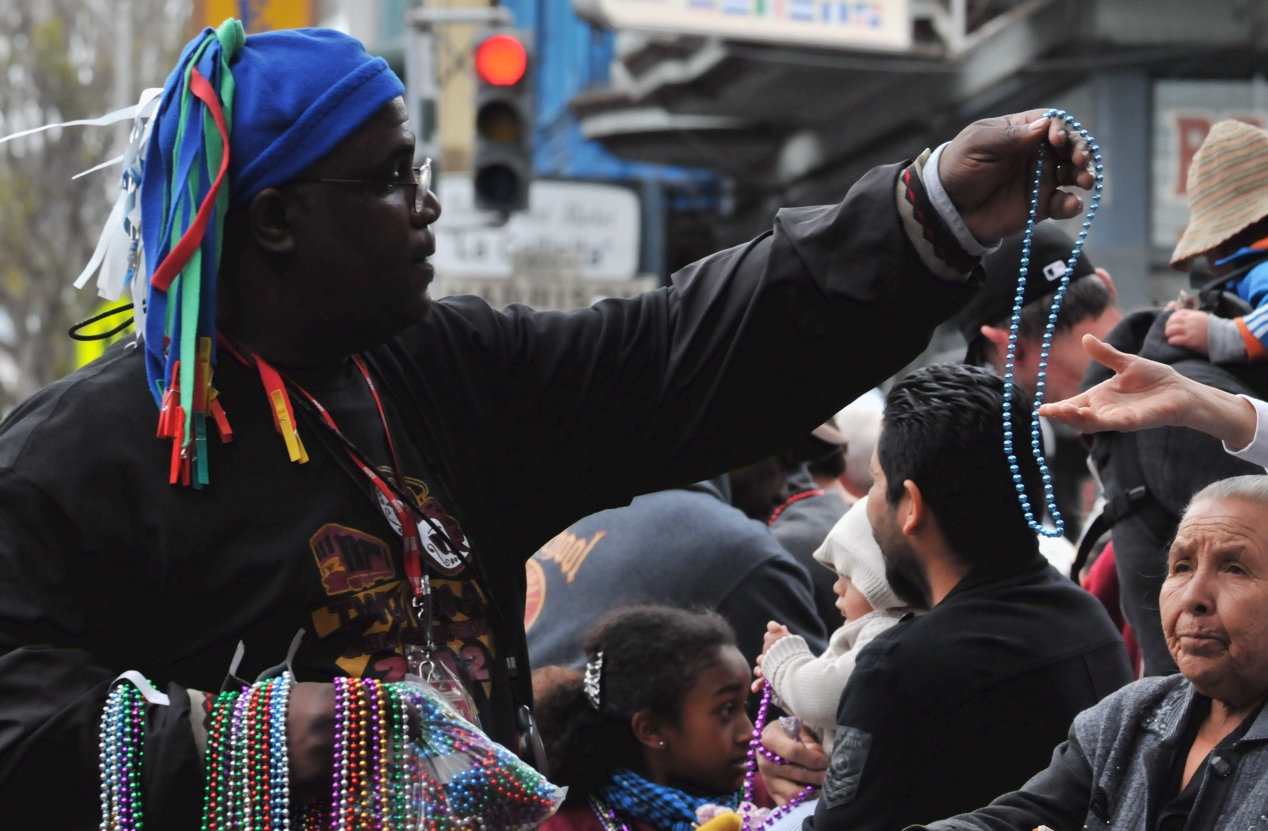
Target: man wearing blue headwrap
{"type": "Point", "coordinates": [340, 391]}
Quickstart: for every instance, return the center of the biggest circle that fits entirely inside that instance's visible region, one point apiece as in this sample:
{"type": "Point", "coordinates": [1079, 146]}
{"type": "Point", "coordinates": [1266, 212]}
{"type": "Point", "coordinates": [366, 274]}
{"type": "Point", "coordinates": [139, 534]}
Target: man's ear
{"type": "Point", "coordinates": [268, 224]}
{"type": "Point", "coordinates": [1108, 281]}
{"type": "Point", "coordinates": [998, 338]}
{"type": "Point", "coordinates": [913, 511]}
{"type": "Point", "coordinates": [647, 730]}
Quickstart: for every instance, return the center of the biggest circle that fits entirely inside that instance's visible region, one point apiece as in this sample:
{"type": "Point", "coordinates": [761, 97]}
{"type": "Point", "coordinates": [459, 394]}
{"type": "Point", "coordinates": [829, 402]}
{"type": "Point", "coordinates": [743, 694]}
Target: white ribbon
{"type": "Point", "coordinates": [144, 686]}
{"type": "Point", "coordinates": [101, 121]}
{"type": "Point", "coordinates": [115, 220]}
{"type": "Point", "coordinates": [119, 255]}
{"type": "Point", "coordinates": [101, 166]}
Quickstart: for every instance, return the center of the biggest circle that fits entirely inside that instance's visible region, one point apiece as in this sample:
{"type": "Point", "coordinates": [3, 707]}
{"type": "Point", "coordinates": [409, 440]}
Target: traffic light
{"type": "Point", "coordinates": [503, 164]}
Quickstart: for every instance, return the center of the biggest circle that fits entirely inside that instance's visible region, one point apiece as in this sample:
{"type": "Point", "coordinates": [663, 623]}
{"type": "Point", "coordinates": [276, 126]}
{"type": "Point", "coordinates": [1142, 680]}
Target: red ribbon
{"type": "Point", "coordinates": [180, 254]}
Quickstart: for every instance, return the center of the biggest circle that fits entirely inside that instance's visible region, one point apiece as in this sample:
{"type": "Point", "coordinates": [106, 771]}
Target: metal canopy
{"type": "Point", "coordinates": [793, 123]}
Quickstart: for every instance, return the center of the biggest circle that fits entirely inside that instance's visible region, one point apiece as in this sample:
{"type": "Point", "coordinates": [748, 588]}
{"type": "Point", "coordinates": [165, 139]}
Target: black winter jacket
{"type": "Point", "coordinates": [948, 710]}
{"type": "Point", "coordinates": [527, 421]}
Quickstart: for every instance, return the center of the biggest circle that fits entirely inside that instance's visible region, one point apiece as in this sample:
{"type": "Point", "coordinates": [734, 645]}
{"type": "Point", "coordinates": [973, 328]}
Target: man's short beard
{"type": "Point", "coordinates": [908, 580]}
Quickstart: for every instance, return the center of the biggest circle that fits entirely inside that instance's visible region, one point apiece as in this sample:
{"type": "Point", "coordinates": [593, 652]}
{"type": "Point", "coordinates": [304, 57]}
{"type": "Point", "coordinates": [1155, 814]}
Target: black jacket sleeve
{"type": "Point", "coordinates": [876, 762]}
{"type": "Point", "coordinates": [1057, 797]}
{"type": "Point", "coordinates": [747, 351]}
{"type": "Point", "coordinates": [51, 698]}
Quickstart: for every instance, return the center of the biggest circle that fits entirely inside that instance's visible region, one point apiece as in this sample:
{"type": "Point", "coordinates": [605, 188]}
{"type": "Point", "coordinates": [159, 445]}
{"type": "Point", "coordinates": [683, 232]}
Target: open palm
{"type": "Point", "coordinates": [1142, 394]}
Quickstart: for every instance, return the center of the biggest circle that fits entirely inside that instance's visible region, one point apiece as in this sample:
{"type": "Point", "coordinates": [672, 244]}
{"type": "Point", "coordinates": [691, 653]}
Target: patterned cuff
{"type": "Point", "coordinates": [780, 651]}
{"type": "Point", "coordinates": [934, 242]}
{"type": "Point", "coordinates": [946, 209]}
{"type": "Point", "coordinates": [778, 655]}
{"type": "Point", "coordinates": [1254, 346]}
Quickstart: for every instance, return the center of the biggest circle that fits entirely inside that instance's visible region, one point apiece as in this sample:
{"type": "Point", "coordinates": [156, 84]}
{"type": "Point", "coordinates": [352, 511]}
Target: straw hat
{"type": "Point", "coordinates": [1228, 188]}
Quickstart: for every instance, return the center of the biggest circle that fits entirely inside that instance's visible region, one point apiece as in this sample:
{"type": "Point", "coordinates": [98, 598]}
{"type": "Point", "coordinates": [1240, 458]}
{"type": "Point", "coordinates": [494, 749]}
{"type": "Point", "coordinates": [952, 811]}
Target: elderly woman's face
{"type": "Point", "coordinates": [1215, 599]}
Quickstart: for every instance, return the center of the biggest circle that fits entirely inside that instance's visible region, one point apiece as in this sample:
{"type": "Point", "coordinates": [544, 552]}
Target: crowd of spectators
{"type": "Point", "coordinates": [926, 654]}
{"type": "Point", "coordinates": [969, 681]}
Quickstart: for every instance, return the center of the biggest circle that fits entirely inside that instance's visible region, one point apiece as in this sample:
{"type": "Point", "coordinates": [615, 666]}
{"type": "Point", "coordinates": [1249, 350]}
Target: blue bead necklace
{"type": "Point", "coordinates": [1036, 441]}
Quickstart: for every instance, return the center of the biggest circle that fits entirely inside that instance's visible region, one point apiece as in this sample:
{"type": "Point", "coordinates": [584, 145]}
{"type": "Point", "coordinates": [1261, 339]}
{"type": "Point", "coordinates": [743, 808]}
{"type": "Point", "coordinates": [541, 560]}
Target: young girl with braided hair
{"type": "Point", "coordinates": [654, 735]}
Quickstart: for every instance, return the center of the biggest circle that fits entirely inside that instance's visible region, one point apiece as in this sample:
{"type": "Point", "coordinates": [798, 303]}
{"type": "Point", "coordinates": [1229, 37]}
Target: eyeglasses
{"type": "Point", "coordinates": [421, 184]}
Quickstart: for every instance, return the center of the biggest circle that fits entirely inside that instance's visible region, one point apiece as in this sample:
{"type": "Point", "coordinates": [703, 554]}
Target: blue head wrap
{"type": "Point", "coordinates": [299, 93]}
{"type": "Point", "coordinates": [283, 100]}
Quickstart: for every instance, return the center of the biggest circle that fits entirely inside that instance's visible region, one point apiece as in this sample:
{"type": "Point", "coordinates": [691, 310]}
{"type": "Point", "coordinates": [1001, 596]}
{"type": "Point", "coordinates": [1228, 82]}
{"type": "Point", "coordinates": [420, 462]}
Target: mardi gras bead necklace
{"type": "Point", "coordinates": [388, 737]}
{"type": "Point", "coordinates": [607, 816]}
{"type": "Point", "coordinates": [248, 779]}
{"type": "Point", "coordinates": [404, 760]}
{"type": "Point", "coordinates": [122, 747]}
{"type": "Point", "coordinates": [1036, 441]}
{"type": "Point", "coordinates": [755, 747]}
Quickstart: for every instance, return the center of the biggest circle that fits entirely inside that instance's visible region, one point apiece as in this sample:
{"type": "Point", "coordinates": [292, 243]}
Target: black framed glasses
{"type": "Point", "coordinates": [415, 190]}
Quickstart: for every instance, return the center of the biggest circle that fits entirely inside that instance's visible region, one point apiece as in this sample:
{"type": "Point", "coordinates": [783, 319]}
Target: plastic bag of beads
{"type": "Point", "coordinates": [404, 756]}
{"type": "Point", "coordinates": [435, 673]}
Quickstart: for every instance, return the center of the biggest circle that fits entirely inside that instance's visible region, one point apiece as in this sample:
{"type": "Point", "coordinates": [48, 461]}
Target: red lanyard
{"type": "Point", "coordinates": [410, 538]}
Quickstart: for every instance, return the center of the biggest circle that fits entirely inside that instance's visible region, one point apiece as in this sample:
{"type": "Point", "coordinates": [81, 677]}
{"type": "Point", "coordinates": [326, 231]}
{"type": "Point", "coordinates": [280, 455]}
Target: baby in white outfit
{"type": "Point", "coordinates": [809, 687]}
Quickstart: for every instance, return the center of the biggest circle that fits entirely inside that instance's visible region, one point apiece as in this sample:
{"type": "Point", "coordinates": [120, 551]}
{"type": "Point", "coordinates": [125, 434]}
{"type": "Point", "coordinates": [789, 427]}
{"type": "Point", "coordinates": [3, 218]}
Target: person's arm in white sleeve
{"type": "Point", "coordinates": [1257, 451]}
{"type": "Point", "coordinates": [1144, 394]}
{"type": "Point", "coordinates": [809, 687]}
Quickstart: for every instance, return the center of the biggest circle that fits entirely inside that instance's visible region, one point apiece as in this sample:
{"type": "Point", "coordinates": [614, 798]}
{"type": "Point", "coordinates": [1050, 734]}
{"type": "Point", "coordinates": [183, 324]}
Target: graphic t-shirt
{"type": "Point", "coordinates": [370, 618]}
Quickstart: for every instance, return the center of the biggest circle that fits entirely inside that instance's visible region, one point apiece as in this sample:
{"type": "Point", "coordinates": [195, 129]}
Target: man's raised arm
{"type": "Point", "coordinates": [754, 346]}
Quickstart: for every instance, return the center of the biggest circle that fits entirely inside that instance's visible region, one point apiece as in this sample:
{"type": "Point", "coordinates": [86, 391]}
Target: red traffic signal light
{"type": "Point", "coordinates": [502, 165]}
{"type": "Point", "coordinates": [501, 60]}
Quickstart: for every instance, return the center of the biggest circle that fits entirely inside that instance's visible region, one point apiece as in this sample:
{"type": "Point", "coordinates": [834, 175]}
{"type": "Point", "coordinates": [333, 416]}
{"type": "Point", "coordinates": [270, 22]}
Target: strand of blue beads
{"type": "Point", "coordinates": [1036, 440]}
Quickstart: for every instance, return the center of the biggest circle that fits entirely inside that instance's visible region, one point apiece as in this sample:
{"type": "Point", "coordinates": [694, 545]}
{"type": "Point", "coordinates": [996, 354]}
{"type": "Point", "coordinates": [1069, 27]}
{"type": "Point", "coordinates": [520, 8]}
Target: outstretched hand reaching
{"type": "Point", "coordinates": [1144, 394]}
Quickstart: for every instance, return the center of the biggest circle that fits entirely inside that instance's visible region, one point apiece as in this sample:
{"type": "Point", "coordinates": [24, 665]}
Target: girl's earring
{"type": "Point", "coordinates": [662, 742]}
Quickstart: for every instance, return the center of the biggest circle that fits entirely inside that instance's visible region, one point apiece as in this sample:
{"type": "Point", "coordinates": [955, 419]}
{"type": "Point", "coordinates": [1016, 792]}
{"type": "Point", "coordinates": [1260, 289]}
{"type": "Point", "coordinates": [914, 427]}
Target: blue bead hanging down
{"type": "Point", "coordinates": [1036, 442]}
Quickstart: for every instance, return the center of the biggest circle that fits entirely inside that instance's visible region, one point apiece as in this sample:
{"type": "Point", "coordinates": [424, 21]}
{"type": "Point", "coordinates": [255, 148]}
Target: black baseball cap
{"type": "Point", "coordinates": [1049, 252]}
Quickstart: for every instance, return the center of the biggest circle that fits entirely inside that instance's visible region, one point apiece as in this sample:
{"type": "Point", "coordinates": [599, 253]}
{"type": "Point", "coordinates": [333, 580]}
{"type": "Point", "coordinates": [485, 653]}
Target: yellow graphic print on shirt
{"type": "Point", "coordinates": [370, 617]}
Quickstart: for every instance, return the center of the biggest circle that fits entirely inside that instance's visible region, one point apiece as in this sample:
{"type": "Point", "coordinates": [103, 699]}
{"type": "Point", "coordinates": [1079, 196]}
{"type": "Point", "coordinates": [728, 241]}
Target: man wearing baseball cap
{"type": "Point", "coordinates": [1089, 306]}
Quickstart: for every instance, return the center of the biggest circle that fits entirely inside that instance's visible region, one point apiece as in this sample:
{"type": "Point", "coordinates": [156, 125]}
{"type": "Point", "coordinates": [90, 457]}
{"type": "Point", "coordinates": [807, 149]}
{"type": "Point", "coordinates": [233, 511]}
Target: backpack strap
{"type": "Point", "coordinates": [1133, 495]}
{"type": "Point", "coordinates": [1215, 297]}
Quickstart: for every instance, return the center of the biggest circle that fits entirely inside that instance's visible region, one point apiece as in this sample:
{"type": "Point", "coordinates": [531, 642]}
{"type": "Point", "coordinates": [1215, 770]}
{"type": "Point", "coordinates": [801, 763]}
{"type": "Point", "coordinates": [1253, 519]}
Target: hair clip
{"type": "Point", "coordinates": [594, 680]}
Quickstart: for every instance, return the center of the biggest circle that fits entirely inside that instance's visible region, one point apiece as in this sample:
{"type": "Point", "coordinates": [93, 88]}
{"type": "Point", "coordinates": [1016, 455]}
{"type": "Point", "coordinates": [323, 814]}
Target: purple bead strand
{"type": "Point", "coordinates": [754, 747]}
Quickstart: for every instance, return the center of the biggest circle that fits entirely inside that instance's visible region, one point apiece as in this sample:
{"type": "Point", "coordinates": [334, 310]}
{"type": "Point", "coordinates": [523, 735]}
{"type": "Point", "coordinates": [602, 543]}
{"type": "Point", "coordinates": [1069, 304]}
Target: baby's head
{"type": "Point", "coordinates": [671, 689]}
{"type": "Point", "coordinates": [851, 551]}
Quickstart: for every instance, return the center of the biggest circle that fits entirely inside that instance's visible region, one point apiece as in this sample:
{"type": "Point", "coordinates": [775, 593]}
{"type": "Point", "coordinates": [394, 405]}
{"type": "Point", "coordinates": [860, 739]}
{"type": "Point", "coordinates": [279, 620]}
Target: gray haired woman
{"type": "Point", "coordinates": [1186, 751]}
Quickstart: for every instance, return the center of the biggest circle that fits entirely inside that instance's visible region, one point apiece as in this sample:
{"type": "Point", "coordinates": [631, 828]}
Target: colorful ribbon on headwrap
{"type": "Point", "coordinates": [186, 185]}
{"type": "Point", "coordinates": [299, 93]}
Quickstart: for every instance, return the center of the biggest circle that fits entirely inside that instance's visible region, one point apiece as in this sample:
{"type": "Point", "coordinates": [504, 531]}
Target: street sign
{"type": "Point", "coordinates": [859, 24]}
{"type": "Point", "coordinates": [257, 15]}
{"type": "Point", "coordinates": [594, 227]}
